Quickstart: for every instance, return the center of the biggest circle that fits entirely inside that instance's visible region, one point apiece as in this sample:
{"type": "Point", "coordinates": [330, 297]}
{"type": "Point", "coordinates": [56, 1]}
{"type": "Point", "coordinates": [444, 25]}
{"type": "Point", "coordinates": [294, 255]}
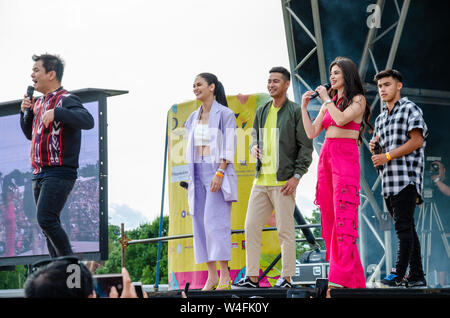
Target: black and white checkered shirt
{"type": "Point", "coordinates": [393, 131]}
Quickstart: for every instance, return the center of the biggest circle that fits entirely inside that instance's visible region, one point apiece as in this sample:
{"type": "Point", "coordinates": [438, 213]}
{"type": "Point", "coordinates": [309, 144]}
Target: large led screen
{"type": "Point", "coordinates": [20, 235]}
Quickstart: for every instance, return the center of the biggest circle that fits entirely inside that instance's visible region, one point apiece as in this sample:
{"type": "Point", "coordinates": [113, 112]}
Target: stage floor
{"type": "Point", "coordinates": [398, 292]}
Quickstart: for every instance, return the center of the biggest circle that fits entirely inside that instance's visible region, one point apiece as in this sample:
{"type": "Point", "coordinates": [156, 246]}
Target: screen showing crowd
{"type": "Point", "coordinates": [20, 234]}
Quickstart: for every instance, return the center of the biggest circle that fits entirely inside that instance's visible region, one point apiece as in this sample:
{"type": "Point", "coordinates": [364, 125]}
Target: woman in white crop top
{"type": "Point", "coordinates": [201, 136]}
{"type": "Point", "coordinates": [212, 185]}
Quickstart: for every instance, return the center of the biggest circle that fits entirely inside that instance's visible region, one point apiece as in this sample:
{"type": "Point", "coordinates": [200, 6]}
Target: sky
{"type": "Point", "coordinates": [154, 50]}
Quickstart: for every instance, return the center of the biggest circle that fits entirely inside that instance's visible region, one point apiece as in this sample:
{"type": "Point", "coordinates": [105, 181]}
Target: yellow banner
{"type": "Point", "coordinates": [181, 263]}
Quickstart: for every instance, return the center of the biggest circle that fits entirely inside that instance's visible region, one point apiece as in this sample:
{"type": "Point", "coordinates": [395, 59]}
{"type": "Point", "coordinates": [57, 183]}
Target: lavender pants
{"type": "Point", "coordinates": [211, 219]}
{"type": "Point", "coordinates": [337, 193]}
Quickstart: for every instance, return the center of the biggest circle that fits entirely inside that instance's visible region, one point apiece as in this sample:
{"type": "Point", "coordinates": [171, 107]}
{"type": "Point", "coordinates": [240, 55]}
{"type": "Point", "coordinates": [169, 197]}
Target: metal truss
{"type": "Point", "coordinates": [368, 190]}
{"type": "Point", "coordinates": [295, 66]}
{"type": "Point", "coordinates": [426, 96]}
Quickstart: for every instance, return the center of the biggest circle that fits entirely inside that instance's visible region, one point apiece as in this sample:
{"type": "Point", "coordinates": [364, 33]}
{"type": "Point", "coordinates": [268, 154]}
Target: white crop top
{"type": "Point", "coordinates": [201, 135]}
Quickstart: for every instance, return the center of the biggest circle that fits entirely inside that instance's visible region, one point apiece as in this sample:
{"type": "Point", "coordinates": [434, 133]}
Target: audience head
{"type": "Point", "coordinates": [64, 277]}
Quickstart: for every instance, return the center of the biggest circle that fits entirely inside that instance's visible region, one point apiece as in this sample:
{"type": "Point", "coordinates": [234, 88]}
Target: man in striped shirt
{"type": "Point", "coordinates": [401, 131]}
{"type": "Point", "coordinates": [53, 123]}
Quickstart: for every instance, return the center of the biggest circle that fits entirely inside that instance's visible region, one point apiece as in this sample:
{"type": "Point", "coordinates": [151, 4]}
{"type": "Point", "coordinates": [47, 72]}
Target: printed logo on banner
{"type": "Point", "coordinates": [179, 173]}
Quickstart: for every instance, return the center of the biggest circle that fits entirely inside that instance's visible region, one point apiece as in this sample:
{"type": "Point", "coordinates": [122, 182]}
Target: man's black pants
{"type": "Point", "coordinates": [401, 207]}
{"type": "Point", "coordinates": [50, 195]}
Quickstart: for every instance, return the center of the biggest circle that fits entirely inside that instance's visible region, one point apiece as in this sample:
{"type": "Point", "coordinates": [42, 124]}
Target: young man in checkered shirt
{"type": "Point", "coordinates": [401, 131]}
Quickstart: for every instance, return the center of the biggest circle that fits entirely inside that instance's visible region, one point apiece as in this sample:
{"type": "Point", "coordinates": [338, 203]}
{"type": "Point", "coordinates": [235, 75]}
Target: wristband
{"type": "Point", "coordinates": [436, 180]}
{"type": "Point", "coordinates": [388, 156]}
{"type": "Point", "coordinates": [219, 174]}
{"type": "Point", "coordinates": [328, 101]}
{"type": "Point", "coordinates": [221, 170]}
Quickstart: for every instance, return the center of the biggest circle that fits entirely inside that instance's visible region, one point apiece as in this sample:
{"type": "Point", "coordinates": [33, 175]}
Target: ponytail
{"type": "Point", "coordinates": [219, 90]}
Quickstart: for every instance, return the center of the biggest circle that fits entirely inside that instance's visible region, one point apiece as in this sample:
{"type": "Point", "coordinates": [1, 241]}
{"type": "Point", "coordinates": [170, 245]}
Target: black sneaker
{"type": "Point", "coordinates": [415, 281]}
{"type": "Point", "coordinates": [282, 283]}
{"type": "Point", "coordinates": [246, 283]}
{"type": "Point", "coordinates": [392, 280]}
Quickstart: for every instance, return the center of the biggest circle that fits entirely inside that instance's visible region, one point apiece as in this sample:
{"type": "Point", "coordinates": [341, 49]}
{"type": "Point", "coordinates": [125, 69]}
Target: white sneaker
{"type": "Point", "coordinates": [282, 283]}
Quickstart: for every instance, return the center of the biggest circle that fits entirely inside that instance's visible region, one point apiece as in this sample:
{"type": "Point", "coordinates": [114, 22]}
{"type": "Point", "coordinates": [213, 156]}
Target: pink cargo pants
{"type": "Point", "coordinates": [337, 194]}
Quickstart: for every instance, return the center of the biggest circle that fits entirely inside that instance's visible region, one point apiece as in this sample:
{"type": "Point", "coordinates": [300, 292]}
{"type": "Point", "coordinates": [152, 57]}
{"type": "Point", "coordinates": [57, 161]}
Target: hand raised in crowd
{"type": "Point", "coordinates": [128, 290]}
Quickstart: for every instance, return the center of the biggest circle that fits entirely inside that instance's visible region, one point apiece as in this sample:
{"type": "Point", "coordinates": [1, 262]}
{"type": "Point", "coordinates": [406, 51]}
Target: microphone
{"type": "Point", "coordinates": [327, 86]}
{"type": "Point", "coordinates": [30, 92]}
{"type": "Point", "coordinates": [377, 150]}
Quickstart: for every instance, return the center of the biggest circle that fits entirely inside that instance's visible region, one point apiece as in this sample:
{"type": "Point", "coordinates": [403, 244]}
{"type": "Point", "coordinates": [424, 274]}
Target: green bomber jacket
{"type": "Point", "coordinates": [294, 147]}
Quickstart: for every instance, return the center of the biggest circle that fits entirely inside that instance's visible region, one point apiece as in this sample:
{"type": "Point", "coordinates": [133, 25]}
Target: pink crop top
{"type": "Point", "coordinates": [328, 121]}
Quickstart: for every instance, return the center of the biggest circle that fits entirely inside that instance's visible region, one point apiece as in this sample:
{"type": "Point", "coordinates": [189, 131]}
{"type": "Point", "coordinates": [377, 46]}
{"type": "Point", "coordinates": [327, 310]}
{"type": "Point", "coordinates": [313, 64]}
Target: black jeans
{"type": "Point", "coordinates": [50, 195]}
{"type": "Point", "coordinates": [401, 207]}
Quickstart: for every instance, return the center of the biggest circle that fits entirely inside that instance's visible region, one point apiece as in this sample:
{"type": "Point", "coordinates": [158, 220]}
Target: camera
{"type": "Point", "coordinates": [432, 170]}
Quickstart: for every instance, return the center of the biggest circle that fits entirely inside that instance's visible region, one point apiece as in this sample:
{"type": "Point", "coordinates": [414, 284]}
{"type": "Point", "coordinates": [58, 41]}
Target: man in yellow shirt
{"type": "Point", "coordinates": [269, 159]}
{"type": "Point", "coordinates": [284, 153]}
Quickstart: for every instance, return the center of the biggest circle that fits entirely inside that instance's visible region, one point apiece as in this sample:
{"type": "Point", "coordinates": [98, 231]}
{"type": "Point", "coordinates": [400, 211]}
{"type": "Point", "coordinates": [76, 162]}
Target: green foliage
{"type": "Point", "coordinates": [305, 247]}
{"type": "Point", "coordinates": [140, 259]}
{"type": "Point", "coordinates": [13, 279]}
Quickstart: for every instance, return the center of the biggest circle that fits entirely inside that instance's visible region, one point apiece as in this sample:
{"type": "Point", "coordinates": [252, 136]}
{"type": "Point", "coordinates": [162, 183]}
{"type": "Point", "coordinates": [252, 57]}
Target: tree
{"type": "Point", "coordinates": [13, 279]}
{"type": "Point", "coordinates": [140, 259]}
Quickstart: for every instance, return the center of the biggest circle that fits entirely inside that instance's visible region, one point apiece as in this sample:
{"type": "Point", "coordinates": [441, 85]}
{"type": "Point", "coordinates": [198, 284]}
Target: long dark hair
{"type": "Point", "coordinates": [219, 90]}
{"type": "Point", "coordinates": [352, 87]}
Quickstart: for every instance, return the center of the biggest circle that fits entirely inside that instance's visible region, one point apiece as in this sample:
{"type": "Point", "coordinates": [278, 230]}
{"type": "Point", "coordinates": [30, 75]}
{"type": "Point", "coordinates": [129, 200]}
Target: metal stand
{"type": "Point", "coordinates": [123, 243]}
{"type": "Point", "coordinates": [428, 211]}
{"type": "Point", "coordinates": [269, 268]}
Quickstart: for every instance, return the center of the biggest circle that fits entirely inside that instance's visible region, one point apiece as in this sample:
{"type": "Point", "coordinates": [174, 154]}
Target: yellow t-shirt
{"type": "Point", "coordinates": [269, 159]}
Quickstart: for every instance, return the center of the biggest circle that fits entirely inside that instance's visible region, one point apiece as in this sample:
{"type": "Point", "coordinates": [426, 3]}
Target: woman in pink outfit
{"type": "Point", "coordinates": [344, 115]}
